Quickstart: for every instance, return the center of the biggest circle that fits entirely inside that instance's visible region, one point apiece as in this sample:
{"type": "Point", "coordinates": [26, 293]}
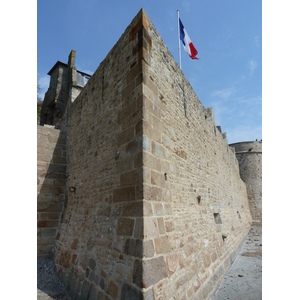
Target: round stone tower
{"type": "Point", "coordinates": [249, 156]}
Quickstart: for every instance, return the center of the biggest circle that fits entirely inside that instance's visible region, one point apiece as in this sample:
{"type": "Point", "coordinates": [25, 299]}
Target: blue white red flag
{"type": "Point", "coordinates": [187, 43]}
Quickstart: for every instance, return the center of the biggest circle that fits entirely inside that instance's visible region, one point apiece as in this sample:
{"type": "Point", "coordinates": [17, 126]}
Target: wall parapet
{"type": "Point", "coordinates": [249, 146]}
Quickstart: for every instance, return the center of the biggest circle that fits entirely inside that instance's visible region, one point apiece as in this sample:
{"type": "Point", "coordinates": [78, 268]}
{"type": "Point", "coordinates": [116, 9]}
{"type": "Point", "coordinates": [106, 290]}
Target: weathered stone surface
{"type": "Point", "coordinates": [172, 263]}
{"type": "Point", "coordinates": [124, 194]}
{"type": "Point", "coordinates": [51, 174]}
{"type": "Point", "coordinates": [84, 293]}
{"type": "Point", "coordinates": [154, 270]}
{"type": "Point", "coordinates": [125, 226]}
{"type": "Point", "coordinates": [150, 228]}
{"type": "Point", "coordinates": [133, 177]}
{"type": "Point", "coordinates": [65, 259]}
{"type": "Point", "coordinates": [148, 249]}
{"type": "Point", "coordinates": [149, 272]}
{"type": "Point", "coordinates": [113, 290]}
{"type": "Point", "coordinates": [134, 248]}
{"type": "Point", "coordinates": [92, 264]}
{"type": "Point", "coordinates": [130, 293]}
{"type": "Point", "coordinates": [162, 245]}
{"type": "Point", "coordinates": [134, 210]}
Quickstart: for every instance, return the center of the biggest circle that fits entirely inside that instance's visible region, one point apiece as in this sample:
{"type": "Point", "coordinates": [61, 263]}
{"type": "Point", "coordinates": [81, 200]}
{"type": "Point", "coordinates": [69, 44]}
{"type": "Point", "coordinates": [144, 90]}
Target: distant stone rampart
{"type": "Point", "coordinates": [249, 156]}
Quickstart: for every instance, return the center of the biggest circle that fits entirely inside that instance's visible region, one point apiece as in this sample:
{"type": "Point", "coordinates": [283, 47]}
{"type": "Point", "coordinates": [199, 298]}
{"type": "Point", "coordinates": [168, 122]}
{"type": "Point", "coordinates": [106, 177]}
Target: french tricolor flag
{"type": "Point", "coordinates": [187, 43]}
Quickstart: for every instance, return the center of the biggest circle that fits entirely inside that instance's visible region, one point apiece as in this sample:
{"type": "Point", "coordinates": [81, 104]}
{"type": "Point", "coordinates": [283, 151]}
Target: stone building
{"type": "Point", "coordinates": [150, 203]}
{"type": "Point", "coordinates": [66, 83]}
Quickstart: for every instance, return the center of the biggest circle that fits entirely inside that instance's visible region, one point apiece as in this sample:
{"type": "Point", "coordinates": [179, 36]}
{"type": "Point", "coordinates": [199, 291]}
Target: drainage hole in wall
{"type": "Point", "coordinates": [199, 199]}
{"type": "Point", "coordinates": [217, 218]}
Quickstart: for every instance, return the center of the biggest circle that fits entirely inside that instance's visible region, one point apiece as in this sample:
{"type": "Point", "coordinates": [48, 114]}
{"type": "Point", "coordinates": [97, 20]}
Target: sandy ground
{"type": "Point", "coordinates": [242, 282]}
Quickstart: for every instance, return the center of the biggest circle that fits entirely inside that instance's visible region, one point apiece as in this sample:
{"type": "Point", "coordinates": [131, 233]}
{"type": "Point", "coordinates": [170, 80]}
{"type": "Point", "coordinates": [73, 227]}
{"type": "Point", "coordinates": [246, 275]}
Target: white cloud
{"type": "Point", "coordinates": [43, 83]}
{"type": "Point", "coordinates": [238, 115]}
{"type": "Point", "coordinates": [252, 101]}
{"type": "Point", "coordinates": [223, 93]}
{"type": "Point", "coordinates": [252, 64]}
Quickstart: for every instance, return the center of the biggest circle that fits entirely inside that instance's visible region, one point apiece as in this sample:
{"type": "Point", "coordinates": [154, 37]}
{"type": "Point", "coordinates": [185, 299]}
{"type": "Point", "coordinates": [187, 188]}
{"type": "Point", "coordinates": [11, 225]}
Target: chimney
{"type": "Point", "coordinates": [71, 61]}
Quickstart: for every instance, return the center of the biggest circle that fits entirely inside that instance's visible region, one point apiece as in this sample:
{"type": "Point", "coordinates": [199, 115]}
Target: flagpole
{"type": "Point", "coordinates": [179, 39]}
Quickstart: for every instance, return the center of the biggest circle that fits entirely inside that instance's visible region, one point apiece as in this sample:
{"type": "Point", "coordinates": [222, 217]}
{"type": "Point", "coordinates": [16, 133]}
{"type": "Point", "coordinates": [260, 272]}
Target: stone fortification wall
{"type": "Point", "coordinates": [51, 177]}
{"type": "Point", "coordinates": [156, 207]}
{"type": "Point", "coordinates": [101, 233]}
{"type": "Point", "coordinates": [249, 156]}
{"type": "Point", "coordinates": [199, 209]}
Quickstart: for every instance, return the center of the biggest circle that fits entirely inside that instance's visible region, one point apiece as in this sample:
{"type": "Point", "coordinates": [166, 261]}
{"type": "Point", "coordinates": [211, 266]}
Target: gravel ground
{"type": "Point", "coordinates": [49, 285]}
{"type": "Point", "coordinates": [242, 282]}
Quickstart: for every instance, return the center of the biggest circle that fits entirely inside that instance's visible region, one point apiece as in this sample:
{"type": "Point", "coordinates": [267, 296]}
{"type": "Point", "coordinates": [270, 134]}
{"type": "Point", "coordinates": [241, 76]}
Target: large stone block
{"type": "Point", "coordinates": [124, 194]}
{"type": "Point", "coordinates": [113, 289]}
{"type": "Point", "coordinates": [148, 272]}
{"type": "Point", "coordinates": [125, 226]}
{"type": "Point", "coordinates": [162, 245]}
{"type": "Point", "coordinates": [134, 177]}
{"type": "Point", "coordinates": [130, 293]}
{"type": "Point", "coordinates": [150, 228]}
{"type": "Point", "coordinates": [134, 247]}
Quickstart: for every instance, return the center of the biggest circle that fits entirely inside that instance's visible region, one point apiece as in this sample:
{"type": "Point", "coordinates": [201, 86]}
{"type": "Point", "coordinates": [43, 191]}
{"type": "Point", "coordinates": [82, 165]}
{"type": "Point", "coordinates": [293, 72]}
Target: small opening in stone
{"type": "Point", "coordinates": [199, 199]}
{"type": "Point", "coordinates": [238, 213]}
{"type": "Point", "coordinates": [217, 218]}
{"type": "Point", "coordinates": [224, 237]}
{"type": "Point", "coordinates": [166, 176]}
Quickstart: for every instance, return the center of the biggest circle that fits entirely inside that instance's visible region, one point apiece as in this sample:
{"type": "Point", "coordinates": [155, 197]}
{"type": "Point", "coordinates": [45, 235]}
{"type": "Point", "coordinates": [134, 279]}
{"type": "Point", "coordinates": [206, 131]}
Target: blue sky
{"type": "Point", "coordinates": [227, 35]}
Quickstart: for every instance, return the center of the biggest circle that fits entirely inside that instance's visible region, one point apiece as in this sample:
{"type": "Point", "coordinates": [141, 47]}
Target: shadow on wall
{"type": "Point", "coordinates": [51, 179]}
{"type": "Point", "coordinates": [51, 201]}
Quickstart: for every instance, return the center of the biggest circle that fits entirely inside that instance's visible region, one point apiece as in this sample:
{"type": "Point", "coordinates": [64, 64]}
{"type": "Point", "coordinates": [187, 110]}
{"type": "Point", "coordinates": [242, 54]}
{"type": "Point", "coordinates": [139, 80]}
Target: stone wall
{"type": "Point", "coordinates": [51, 177]}
{"type": "Point", "coordinates": [157, 208]}
{"type": "Point", "coordinates": [249, 155]}
{"type": "Point", "coordinates": [199, 209]}
{"type": "Point", "coordinates": [100, 236]}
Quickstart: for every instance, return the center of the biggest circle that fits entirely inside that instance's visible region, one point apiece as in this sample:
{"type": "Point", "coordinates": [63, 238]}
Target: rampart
{"type": "Point", "coordinates": [51, 181]}
{"type": "Point", "coordinates": [249, 156]}
{"type": "Point", "coordinates": [156, 207]}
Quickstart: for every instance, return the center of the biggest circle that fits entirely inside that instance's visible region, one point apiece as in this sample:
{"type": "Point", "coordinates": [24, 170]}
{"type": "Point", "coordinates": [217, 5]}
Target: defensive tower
{"type": "Point", "coordinates": [249, 156]}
